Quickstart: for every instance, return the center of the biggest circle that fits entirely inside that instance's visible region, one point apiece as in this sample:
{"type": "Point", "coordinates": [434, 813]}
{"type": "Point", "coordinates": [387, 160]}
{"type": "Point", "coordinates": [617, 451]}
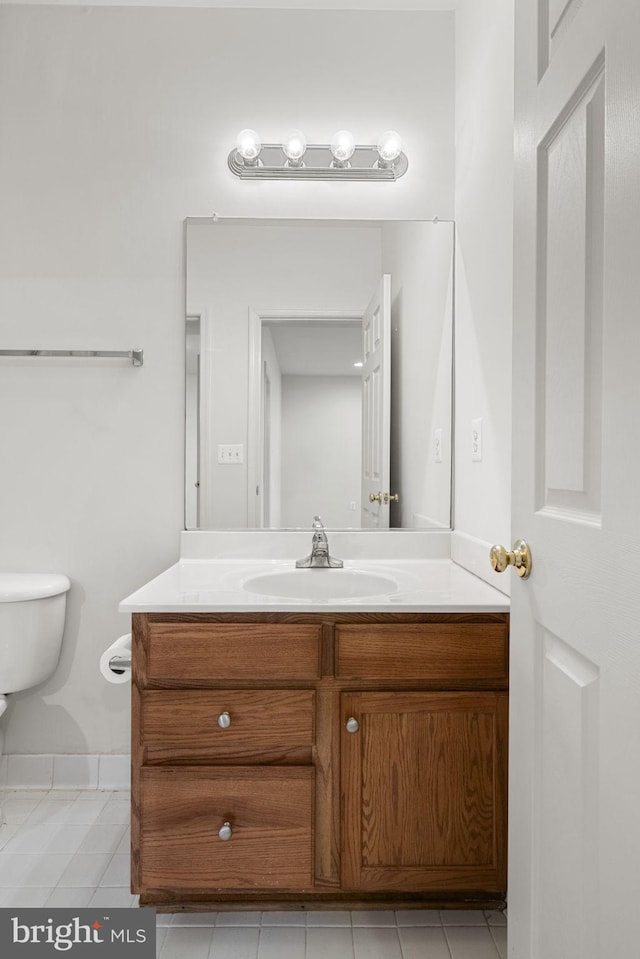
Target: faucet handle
{"type": "Point", "coordinates": [317, 523]}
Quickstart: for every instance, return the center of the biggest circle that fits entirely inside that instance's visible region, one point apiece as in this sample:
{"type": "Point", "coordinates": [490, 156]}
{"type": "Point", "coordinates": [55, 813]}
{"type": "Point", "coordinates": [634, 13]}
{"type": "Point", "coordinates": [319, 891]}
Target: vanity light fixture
{"type": "Point", "coordinates": [295, 159]}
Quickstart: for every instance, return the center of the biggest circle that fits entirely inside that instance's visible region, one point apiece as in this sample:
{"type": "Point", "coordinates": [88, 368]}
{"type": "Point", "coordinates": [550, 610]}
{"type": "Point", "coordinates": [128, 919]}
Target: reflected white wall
{"type": "Point", "coordinates": [419, 257]}
{"type": "Point", "coordinates": [321, 450]}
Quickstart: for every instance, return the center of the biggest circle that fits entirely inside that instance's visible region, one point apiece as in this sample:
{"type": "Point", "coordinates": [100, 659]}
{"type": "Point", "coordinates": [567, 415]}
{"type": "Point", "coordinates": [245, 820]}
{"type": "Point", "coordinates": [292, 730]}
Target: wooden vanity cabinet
{"type": "Point", "coordinates": [421, 805]}
{"type": "Point", "coordinates": [327, 759]}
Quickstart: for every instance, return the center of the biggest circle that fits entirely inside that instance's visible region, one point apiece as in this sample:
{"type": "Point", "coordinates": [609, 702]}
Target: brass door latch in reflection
{"type": "Point", "coordinates": [385, 498]}
{"type": "Point", "coordinates": [519, 557]}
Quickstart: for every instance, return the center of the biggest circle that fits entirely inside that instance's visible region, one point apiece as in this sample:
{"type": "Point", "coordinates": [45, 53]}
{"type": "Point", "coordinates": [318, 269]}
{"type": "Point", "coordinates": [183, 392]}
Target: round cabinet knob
{"type": "Point", "coordinates": [224, 720]}
{"type": "Point", "coordinates": [519, 557]}
{"type": "Point", "coordinates": [352, 725]}
{"type": "Point", "coordinates": [225, 832]}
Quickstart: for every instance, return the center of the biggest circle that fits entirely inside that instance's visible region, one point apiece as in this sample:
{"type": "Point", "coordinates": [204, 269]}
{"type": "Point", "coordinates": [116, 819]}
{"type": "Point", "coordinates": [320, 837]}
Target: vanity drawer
{"type": "Point", "coordinates": [472, 653]}
{"type": "Point", "coordinates": [206, 652]}
{"type": "Point", "coordinates": [269, 810]}
{"type": "Point", "coordinates": [256, 725]}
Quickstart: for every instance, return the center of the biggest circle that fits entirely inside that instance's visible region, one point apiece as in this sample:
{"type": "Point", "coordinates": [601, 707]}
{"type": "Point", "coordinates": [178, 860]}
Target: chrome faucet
{"type": "Point", "coordinates": [319, 557]}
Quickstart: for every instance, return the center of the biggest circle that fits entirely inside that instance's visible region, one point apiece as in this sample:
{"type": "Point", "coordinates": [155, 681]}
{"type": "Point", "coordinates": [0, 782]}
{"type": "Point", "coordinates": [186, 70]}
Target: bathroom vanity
{"type": "Point", "coordinates": [318, 754]}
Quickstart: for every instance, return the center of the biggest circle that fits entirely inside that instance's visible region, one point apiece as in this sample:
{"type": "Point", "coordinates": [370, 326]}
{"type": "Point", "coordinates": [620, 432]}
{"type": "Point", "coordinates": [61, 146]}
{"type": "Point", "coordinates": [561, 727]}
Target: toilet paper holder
{"type": "Point", "coordinates": [115, 661]}
{"type": "Point", "coordinates": [120, 663]}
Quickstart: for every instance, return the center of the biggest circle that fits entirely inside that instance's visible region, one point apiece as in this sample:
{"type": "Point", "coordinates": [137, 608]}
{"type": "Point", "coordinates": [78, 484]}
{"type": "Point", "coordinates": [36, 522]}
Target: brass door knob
{"type": "Point", "coordinates": [385, 498]}
{"type": "Point", "coordinates": [519, 557]}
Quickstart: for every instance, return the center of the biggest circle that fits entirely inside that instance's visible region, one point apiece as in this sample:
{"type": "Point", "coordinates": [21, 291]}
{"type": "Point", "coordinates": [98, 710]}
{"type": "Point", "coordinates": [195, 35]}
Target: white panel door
{"type": "Point", "coordinates": [574, 873]}
{"type": "Point", "coordinates": [376, 407]}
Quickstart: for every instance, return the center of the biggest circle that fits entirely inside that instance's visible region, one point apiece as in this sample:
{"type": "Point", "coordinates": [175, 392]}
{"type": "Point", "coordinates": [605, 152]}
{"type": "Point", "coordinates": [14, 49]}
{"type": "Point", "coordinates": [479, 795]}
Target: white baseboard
{"type": "Point", "coordinates": [53, 771]}
{"type": "Point", "coordinates": [473, 554]}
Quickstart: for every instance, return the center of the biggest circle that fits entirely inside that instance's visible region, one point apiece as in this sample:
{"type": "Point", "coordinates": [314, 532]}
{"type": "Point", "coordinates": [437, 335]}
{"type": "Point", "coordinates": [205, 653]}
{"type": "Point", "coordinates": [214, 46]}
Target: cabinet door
{"type": "Point", "coordinates": [424, 791]}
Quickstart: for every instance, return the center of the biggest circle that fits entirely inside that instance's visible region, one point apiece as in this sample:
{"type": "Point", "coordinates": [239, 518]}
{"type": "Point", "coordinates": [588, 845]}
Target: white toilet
{"type": "Point", "coordinates": [32, 610]}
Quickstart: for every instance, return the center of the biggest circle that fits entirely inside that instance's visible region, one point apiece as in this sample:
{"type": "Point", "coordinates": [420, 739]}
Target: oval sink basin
{"type": "Point", "coordinates": [321, 584]}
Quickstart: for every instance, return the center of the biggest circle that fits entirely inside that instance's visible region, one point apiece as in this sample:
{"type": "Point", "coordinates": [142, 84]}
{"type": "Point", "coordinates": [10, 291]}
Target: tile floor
{"type": "Point", "coordinates": [61, 848]}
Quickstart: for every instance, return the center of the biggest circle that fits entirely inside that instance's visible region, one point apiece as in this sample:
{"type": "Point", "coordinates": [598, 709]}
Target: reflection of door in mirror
{"type": "Point", "coordinates": [200, 452]}
{"type": "Point", "coordinates": [249, 274]}
{"type": "Point", "coordinates": [265, 483]}
{"type": "Point", "coordinates": [376, 408]}
{"type": "Point", "coordinates": [192, 423]}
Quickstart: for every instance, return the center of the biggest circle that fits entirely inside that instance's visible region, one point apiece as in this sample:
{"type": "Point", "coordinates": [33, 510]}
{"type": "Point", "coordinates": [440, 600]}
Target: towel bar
{"type": "Point", "coordinates": [136, 356]}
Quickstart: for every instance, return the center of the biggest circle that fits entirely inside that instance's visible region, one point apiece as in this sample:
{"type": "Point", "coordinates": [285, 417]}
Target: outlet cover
{"type": "Point", "coordinates": [476, 440]}
{"type": "Point", "coordinates": [437, 446]}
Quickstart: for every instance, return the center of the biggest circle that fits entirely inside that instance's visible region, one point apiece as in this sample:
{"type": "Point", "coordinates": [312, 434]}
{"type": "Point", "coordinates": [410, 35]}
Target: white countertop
{"type": "Point", "coordinates": [218, 585]}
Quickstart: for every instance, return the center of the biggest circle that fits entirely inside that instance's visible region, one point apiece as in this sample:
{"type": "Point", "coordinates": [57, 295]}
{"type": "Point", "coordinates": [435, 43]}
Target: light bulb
{"type": "Point", "coordinates": [342, 147]}
{"type": "Point", "coordinates": [248, 146]}
{"type": "Point", "coordinates": [389, 147]}
{"type": "Point", "coordinates": [294, 146]}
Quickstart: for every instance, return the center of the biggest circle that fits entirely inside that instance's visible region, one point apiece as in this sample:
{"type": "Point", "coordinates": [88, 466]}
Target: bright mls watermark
{"type": "Point", "coordinates": [79, 933]}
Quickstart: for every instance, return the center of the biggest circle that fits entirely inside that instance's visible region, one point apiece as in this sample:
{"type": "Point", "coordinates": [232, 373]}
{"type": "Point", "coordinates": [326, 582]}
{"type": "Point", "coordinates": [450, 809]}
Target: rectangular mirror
{"type": "Point", "coordinates": [319, 358]}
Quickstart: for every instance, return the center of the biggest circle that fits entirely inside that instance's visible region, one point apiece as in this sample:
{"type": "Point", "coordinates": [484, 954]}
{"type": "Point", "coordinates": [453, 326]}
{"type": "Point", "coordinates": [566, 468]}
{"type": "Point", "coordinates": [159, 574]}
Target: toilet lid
{"type": "Point", "coordinates": [19, 587]}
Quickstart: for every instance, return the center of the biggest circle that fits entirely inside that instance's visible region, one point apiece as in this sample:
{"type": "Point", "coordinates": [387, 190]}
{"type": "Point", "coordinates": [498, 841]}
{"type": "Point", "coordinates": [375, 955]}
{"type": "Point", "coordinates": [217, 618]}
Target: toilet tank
{"type": "Point", "coordinates": [32, 614]}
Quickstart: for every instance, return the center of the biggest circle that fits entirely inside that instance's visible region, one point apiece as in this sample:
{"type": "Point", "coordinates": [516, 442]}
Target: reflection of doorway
{"type": "Point", "coordinates": [311, 462]}
{"type": "Point", "coordinates": [192, 423]}
{"type": "Point", "coordinates": [266, 446]}
{"type": "Point", "coordinates": [376, 408]}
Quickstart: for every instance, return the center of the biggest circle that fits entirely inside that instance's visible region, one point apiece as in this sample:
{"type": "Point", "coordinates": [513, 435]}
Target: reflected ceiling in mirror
{"type": "Point", "coordinates": [319, 361]}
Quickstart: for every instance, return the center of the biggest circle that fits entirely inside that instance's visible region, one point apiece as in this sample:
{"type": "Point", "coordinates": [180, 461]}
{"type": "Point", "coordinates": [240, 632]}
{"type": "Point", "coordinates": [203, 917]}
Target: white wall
{"type": "Point", "coordinates": [321, 450]}
{"type": "Point", "coordinates": [116, 123]}
{"type": "Point", "coordinates": [419, 257]}
{"type": "Point", "coordinates": [483, 293]}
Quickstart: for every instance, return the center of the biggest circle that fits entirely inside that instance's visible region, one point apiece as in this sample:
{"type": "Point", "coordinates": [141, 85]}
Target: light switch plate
{"type": "Point", "coordinates": [230, 453]}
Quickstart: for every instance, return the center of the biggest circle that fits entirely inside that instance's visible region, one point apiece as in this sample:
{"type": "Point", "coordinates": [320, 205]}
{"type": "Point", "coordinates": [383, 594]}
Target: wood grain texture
{"type": "Point", "coordinates": [319, 619]}
{"type": "Point", "coordinates": [206, 652]}
{"type": "Point", "coordinates": [136, 786]}
{"type": "Point", "coordinates": [271, 813]}
{"type": "Point", "coordinates": [166, 900]}
{"type": "Point", "coordinates": [440, 651]}
{"type": "Point", "coordinates": [420, 780]}
{"type": "Point", "coordinates": [187, 720]}
{"type": "Point", "coordinates": [316, 828]}
{"type": "Point", "coordinates": [327, 824]}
